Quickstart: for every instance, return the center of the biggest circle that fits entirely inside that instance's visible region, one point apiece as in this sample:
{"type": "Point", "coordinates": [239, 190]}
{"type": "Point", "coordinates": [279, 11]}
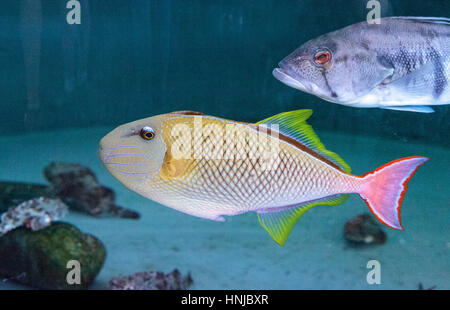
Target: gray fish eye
{"type": "Point", "coordinates": [322, 58]}
{"type": "Point", "coordinates": [147, 133]}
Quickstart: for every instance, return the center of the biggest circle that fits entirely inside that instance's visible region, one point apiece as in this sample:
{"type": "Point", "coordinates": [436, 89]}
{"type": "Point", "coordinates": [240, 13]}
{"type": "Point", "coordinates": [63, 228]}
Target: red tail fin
{"type": "Point", "coordinates": [384, 188]}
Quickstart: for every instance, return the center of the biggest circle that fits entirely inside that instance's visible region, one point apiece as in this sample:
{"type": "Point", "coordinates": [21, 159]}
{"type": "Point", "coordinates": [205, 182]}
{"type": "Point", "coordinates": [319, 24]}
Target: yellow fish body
{"type": "Point", "coordinates": [210, 167]}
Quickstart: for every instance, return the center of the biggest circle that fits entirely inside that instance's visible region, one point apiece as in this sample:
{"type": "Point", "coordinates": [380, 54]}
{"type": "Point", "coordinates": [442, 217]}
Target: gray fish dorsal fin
{"type": "Point", "coordinates": [430, 20]}
{"type": "Point", "coordinates": [293, 124]}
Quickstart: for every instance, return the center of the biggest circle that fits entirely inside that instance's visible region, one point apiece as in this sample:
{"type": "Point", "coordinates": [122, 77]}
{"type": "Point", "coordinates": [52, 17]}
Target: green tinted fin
{"type": "Point", "coordinates": [294, 125]}
{"type": "Point", "coordinates": [279, 224]}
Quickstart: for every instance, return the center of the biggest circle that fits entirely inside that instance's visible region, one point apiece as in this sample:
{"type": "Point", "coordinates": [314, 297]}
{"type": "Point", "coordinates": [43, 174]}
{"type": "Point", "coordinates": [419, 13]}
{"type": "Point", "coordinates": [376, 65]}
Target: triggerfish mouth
{"type": "Point", "coordinates": [402, 64]}
{"type": "Point", "coordinates": [212, 167]}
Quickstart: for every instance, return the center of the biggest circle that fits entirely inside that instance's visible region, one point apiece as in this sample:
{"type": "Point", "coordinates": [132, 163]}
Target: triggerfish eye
{"type": "Point", "coordinates": [147, 133]}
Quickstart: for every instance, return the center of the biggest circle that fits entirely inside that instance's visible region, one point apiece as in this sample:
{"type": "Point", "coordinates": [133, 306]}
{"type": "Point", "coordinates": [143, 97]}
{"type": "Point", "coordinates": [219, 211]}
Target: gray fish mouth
{"type": "Point", "coordinates": [284, 77]}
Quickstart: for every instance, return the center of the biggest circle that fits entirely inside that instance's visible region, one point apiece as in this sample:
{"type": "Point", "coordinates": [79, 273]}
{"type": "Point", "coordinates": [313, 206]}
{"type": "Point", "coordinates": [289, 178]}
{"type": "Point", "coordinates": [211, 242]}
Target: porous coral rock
{"type": "Point", "coordinates": [34, 214]}
{"type": "Point", "coordinates": [152, 280]}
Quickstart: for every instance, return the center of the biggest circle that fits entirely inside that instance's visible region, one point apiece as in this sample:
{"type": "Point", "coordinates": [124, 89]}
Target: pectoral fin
{"type": "Point", "coordinates": [175, 168]}
{"type": "Point", "coordinates": [381, 71]}
{"type": "Point", "coordinates": [425, 84]}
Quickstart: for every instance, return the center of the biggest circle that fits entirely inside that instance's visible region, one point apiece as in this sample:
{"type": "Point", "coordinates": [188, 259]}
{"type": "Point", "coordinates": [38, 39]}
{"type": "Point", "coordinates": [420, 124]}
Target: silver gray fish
{"type": "Point", "coordinates": [401, 64]}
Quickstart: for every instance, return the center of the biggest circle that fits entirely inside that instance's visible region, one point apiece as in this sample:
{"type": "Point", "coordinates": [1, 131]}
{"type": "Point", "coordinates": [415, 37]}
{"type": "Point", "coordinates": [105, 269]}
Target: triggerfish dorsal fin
{"type": "Point", "coordinates": [186, 112]}
{"type": "Point", "coordinates": [279, 223]}
{"type": "Point", "coordinates": [293, 124]}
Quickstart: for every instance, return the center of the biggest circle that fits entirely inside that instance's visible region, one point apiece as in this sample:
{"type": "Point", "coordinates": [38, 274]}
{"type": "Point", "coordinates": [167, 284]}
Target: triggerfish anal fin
{"type": "Point", "coordinates": [293, 124]}
{"type": "Point", "coordinates": [280, 223]}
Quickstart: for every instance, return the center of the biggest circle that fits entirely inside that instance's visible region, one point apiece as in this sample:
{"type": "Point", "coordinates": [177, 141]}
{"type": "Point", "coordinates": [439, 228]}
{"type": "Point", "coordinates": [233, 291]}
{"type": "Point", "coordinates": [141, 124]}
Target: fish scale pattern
{"type": "Point", "coordinates": [248, 177]}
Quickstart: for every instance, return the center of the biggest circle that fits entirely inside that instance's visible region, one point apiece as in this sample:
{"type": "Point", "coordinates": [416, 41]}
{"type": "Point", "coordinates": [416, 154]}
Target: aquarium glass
{"type": "Point", "coordinates": [72, 71]}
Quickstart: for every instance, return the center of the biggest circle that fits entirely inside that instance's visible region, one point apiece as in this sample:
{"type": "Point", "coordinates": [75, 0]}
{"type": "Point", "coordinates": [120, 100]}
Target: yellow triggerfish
{"type": "Point", "coordinates": [210, 167]}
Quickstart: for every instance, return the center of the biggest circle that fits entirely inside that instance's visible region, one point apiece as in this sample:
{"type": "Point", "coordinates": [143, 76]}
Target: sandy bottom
{"type": "Point", "coordinates": [238, 253]}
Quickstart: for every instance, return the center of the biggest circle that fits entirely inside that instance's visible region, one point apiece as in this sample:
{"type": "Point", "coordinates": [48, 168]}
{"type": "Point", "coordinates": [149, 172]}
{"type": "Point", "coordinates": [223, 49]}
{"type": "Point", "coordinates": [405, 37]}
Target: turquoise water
{"type": "Point", "coordinates": [239, 254]}
{"type": "Point", "coordinates": [63, 87]}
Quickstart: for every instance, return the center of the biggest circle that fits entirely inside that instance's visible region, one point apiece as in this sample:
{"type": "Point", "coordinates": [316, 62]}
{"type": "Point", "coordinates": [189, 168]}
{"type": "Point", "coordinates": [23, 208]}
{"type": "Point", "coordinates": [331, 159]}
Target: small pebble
{"type": "Point", "coordinates": [364, 230]}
